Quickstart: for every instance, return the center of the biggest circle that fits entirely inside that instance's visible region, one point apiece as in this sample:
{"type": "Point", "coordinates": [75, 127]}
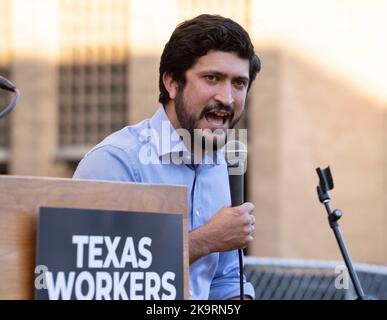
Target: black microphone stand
{"type": "Point", "coordinates": [326, 184]}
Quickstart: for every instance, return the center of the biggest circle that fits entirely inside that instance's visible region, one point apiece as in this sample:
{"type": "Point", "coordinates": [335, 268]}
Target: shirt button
{"type": "Point", "coordinates": [197, 213]}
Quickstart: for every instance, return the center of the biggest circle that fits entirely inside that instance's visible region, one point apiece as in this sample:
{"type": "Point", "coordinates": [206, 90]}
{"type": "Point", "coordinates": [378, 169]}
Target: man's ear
{"type": "Point", "coordinates": [170, 84]}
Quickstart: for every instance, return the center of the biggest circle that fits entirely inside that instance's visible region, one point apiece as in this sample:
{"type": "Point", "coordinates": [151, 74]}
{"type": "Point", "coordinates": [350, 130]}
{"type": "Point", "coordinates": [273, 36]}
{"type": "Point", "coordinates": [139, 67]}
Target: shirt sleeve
{"type": "Point", "coordinates": [225, 284]}
{"type": "Point", "coordinates": [107, 163]}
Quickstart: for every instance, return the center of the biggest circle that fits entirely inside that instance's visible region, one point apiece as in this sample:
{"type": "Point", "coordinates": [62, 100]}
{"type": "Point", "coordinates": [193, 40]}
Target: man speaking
{"type": "Point", "coordinates": [205, 73]}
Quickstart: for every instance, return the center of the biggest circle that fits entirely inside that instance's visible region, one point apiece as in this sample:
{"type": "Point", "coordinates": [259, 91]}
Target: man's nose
{"type": "Point", "coordinates": [225, 95]}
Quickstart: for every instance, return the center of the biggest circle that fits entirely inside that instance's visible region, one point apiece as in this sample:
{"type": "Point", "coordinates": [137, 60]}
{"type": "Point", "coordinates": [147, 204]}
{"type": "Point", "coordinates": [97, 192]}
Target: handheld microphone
{"type": "Point", "coordinates": [236, 156]}
{"type": "Point", "coordinates": [9, 86]}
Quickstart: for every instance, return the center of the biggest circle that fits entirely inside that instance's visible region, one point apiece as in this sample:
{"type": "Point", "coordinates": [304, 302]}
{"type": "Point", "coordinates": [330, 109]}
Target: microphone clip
{"type": "Point", "coordinates": [325, 185]}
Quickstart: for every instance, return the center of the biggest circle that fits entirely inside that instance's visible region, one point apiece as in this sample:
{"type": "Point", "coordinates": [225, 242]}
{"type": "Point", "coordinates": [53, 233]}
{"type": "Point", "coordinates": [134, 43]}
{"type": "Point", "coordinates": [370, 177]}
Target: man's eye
{"type": "Point", "coordinates": [211, 78]}
{"type": "Point", "coordinates": [240, 83]}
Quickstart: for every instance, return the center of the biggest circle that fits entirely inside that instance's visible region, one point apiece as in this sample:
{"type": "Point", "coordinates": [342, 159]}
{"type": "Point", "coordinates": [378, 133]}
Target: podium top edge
{"type": "Point", "coordinates": [60, 179]}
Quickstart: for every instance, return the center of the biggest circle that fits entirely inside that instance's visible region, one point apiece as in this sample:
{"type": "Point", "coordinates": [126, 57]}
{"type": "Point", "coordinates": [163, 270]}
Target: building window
{"type": "Point", "coordinates": [93, 71]}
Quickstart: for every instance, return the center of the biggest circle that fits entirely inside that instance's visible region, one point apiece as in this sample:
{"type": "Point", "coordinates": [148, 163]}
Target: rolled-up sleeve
{"type": "Point", "coordinates": [225, 284]}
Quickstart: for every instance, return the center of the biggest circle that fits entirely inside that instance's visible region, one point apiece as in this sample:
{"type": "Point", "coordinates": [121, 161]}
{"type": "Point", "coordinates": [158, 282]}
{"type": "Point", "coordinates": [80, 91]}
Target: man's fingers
{"type": "Point", "coordinates": [246, 207]}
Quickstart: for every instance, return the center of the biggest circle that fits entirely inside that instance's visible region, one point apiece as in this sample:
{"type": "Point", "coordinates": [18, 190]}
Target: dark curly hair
{"type": "Point", "coordinates": [193, 39]}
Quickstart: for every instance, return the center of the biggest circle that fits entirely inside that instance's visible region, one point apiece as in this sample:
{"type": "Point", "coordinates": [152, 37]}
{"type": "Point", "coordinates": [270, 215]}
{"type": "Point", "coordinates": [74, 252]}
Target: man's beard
{"type": "Point", "coordinates": [190, 122]}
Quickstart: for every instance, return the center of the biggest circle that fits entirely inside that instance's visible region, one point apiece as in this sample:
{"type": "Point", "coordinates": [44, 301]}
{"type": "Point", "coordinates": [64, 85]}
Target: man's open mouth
{"type": "Point", "coordinates": [217, 117]}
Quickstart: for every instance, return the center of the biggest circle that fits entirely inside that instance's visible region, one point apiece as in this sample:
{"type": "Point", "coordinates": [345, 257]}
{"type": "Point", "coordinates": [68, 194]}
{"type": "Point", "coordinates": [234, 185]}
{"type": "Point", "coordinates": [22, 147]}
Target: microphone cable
{"type": "Point", "coordinates": [241, 272]}
{"type": "Point", "coordinates": [9, 86]}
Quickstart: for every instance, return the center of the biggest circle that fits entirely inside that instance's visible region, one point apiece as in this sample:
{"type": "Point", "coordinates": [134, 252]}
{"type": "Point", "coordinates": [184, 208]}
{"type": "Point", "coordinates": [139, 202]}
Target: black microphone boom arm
{"type": "Point", "coordinates": [9, 86]}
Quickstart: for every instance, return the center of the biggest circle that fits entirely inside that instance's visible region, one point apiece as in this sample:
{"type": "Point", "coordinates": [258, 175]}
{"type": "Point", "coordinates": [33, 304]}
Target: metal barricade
{"type": "Point", "coordinates": [293, 279]}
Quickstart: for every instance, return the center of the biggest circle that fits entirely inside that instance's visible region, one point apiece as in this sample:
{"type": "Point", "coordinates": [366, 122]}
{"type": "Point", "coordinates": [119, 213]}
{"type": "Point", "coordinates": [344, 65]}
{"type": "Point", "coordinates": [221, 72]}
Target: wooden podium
{"type": "Point", "coordinates": [21, 198]}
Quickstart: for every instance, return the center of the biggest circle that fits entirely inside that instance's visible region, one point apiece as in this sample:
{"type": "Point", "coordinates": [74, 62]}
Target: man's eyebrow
{"type": "Point", "coordinates": [212, 72]}
{"type": "Point", "coordinates": [221, 74]}
{"type": "Point", "coordinates": [243, 78]}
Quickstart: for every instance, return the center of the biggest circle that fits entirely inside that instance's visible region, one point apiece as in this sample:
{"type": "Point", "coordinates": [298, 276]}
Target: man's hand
{"type": "Point", "coordinates": [230, 228]}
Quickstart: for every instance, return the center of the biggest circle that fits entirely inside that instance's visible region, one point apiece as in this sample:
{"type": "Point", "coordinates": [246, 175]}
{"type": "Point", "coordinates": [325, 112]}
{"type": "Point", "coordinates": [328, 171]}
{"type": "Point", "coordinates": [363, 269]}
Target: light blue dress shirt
{"type": "Point", "coordinates": [135, 154]}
